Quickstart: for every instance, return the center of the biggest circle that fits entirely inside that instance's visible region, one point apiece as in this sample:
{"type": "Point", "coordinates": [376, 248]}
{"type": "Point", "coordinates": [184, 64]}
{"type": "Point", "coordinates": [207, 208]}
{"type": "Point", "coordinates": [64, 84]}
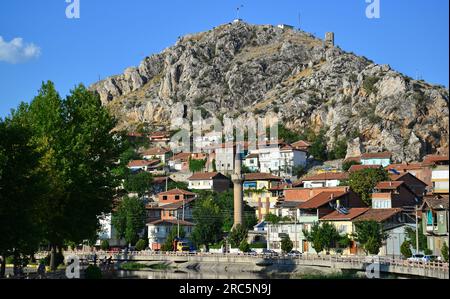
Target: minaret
{"type": "Point", "coordinates": [238, 194]}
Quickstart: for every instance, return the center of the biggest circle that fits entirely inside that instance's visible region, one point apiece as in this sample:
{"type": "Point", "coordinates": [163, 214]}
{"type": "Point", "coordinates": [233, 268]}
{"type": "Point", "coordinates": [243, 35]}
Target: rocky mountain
{"type": "Point", "coordinates": [241, 70]}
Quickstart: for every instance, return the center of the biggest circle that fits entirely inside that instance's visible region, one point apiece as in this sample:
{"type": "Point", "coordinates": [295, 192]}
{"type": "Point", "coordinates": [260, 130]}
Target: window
{"type": "Point", "coordinates": [165, 197]}
{"type": "Point", "coordinates": [177, 197]}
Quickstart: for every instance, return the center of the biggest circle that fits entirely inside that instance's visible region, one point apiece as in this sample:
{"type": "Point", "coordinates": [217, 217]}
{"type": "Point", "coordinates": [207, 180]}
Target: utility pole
{"type": "Point", "coordinates": [417, 229]}
{"type": "Point", "coordinates": [296, 230]}
{"type": "Point", "coordinates": [167, 183]}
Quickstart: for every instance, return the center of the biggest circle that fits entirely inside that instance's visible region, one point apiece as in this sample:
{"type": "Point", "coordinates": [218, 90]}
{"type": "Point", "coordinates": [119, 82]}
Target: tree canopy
{"type": "Point", "coordinates": [129, 219]}
{"type": "Point", "coordinates": [370, 235]}
{"type": "Point", "coordinates": [77, 153]}
{"type": "Point", "coordinates": [364, 181]}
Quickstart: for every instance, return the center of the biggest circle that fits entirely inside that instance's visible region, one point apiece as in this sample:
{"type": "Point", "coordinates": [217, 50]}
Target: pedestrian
{"type": "Point", "coordinates": [41, 270]}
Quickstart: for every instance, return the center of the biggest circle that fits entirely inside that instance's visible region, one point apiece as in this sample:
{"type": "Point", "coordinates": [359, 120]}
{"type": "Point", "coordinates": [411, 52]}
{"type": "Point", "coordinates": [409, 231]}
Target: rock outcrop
{"type": "Point", "coordinates": [243, 70]}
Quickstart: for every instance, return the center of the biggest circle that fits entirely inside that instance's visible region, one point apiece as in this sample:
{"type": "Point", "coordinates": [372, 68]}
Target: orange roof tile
{"type": "Point", "coordinates": [321, 199]}
{"type": "Point", "coordinates": [355, 168]}
{"type": "Point", "coordinates": [392, 185]}
{"type": "Point", "coordinates": [383, 155]}
{"type": "Point", "coordinates": [177, 192]}
{"type": "Point", "coordinates": [155, 151]}
{"type": "Point", "coordinates": [378, 215]}
{"type": "Point", "coordinates": [352, 214]}
{"type": "Point", "coordinates": [328, 176]}
{"type": "Point", "coordinates": [142, 163]}
{"type": "Point", "coordinates": [261, 177]}
{"type": "Point", "coordinates": [206, 176]}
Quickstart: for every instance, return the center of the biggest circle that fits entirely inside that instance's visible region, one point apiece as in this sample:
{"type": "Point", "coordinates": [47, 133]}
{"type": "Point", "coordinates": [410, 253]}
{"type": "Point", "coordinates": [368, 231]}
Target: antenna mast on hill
{"type": "Point", "coordinates": [299, 21]}
{"type": "Point", "coordinates": [238, 10]}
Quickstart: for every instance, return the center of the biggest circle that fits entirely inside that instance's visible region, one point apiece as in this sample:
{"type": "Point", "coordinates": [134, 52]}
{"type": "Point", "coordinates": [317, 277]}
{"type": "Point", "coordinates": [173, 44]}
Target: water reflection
{"type": "Point", "coordinates": [188, 274]}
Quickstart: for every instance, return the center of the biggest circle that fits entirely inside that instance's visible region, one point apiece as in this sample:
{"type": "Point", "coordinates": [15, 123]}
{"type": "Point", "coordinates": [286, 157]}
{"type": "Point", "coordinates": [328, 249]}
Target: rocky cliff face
{"type": "Point", "coordinates": [243, 70]}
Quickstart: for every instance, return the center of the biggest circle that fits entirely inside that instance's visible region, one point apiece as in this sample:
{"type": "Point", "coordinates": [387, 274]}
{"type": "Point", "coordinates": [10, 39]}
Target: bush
{"type": "Point", "coordinates": [244, 246]}
{"type": "Point", "coordinates": [346, 165]}
{"type": "Point", "coordinates": [287, 245]}
{"type": "Point", "coordinates": [93, 272]}
{"type": "Point", "coordinates": [369, 84]}
{"type": "Point", "coordinates": [444, 252]}
{"type": "Point", "coordinates": [405, 249]}
{"type": "Point", "coordinates": [10, 260]}
{"type": "Point", "coordinates": [104, 245]}
{"type": "Point", "coordinates": [428, 251]}
{"type": "Point", "coordinates": [141, 245]}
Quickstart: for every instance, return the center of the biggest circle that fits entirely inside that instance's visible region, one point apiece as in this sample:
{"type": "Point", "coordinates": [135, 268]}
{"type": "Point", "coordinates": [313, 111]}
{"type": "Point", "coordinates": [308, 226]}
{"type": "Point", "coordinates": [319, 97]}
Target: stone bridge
{"type": "Point", "coordinates": [281, 263]}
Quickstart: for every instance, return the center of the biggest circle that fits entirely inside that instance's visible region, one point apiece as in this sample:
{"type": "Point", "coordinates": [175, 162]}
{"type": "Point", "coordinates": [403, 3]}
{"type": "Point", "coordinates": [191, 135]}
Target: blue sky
{"type": "Point", "coordinates": [111, 35]}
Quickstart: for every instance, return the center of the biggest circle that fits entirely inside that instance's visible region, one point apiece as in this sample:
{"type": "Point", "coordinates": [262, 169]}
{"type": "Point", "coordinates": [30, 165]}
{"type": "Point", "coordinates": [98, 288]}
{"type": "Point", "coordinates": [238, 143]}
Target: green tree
{"type": "Point", "coordinates": [444, 252]}
{"type": "Point", "coordinates": [197, 165]}
{"type": "Point", "coordinates": [286, 244]}
{"type": "Point", "coordinates": [225, 200]}
{"type": "Point", "coordinates": [141, 245]}
{"type": "Point", "coordinates": [20, 189]}
{"type": "Point", "coordinates": [104, 245]}
{"type": "Point", "coordinates": [139, 183]}
{"type": "Point", "coordinates": [318, 148]}
{"type": "Point", "coordinates": [129, 219]}
{"type": "Point", "coordinates": [244, 246]}
{"type": "Point", "coordinates": [78, 151]}
{"type": "Point", "coordinates": [411, 237]}
{"type": "Point", "coordinates": [168, 244]}
{"type": "Point", "coordinates": [346, 165]}
{"type": "Point", "coordinates": [364, 181]}
{"type": "Point", "coordinates": [324, 237]}
{"type": "Point", "coordinates": [299, 171]}
{"type": "Point", "coordinates": [237, 235]}
{"type": "Point", "coordinates": [339, 150]}
{"type": "Point", "coordinates": [208, 220]}
{"type": "Point", "coordinates": [405, 249]}
{"type": "Point", "coordinates": [370, 235]}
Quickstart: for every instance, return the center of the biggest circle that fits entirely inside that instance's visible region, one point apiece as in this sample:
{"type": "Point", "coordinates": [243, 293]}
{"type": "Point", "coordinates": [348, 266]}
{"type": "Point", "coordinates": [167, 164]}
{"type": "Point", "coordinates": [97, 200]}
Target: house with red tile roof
{"type": "Point", "coordinates": [211, 181]}
{"type": "Point", "coordinates": [143, 165]}
{"type": "Point", "coordinates": [383, 159]}
{"type": "Point", "coordinates": [393, 222]}
{"type": "Point", "coordinates": [180, 162]}
{"type": "Point", "coordinates": [309, 210]}
{"type": "Point", "coordinates": [175, 196]}
{"type": "Point", "coordinates": [261, 191]}
{"type": "Point", "coordinates": [439, 173]}
{"type": "Point", "coordinates": [301, 145]}
{"type": "Point", "coordinates": [418, 186]}
{"type": "Point", "coordinates": [356, 168]}
{"type": "Point", "coordinates": [435, 215]}
{"type": "Point", "coordinates": [393, 194]}
{"type": "Point", "coordinates": [419, 170]}
{"type": "Point", "coordinates": [327, 179]}
{"type": "Point", "coordinates": [159, 230]}
{"type": "Point", "coordinates": [157, 153]}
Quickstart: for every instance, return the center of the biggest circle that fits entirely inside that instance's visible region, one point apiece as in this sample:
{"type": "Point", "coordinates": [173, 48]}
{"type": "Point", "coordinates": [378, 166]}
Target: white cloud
{"type": "Point", "coordinates": [16, 51]}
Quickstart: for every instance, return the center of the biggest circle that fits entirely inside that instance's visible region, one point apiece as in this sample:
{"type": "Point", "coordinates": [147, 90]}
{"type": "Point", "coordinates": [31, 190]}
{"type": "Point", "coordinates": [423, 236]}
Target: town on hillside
{"type": "Point", "coordinates": [289, 196]}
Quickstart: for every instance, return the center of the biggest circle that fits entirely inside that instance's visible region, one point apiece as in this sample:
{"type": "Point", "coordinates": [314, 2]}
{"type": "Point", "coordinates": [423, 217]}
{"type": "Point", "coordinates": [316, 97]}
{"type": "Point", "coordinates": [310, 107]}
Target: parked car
{"type": "Point", "coordinates": [418, 258]}
{"type": "Point", "coordinates": [270, 252]}
{"type": "Point", "coordinates": [295, 253]}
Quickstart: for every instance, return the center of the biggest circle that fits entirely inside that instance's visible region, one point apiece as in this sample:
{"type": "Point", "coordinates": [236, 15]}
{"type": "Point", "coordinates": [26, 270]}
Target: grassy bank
{"type": "Point", "coordinates": [138, 266]}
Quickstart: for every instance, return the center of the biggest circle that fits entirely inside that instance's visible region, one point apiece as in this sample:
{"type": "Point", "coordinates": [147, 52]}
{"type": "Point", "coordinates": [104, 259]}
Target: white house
{"type": "Point", "coordinates": [252, 162]}
{"type": "Point", "coordinates": [212, 181]}
{"type": "Point", "coordinates": [159, 230]}
{"type": "Point", "coordinates": [143, 165]}
{"type": "Point", "coordinates": [156, 153]}
{"type": "Point", "coordinates": [279, 159]}
{"type": "Point", "coordinates": [383, 159]}
{"type": "Point", "coordinates": [329, 179]}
